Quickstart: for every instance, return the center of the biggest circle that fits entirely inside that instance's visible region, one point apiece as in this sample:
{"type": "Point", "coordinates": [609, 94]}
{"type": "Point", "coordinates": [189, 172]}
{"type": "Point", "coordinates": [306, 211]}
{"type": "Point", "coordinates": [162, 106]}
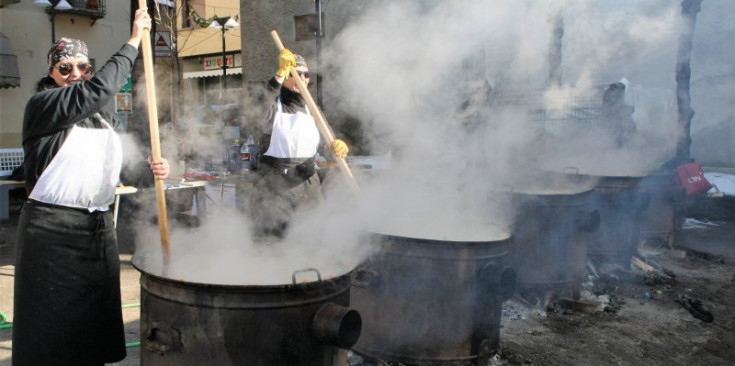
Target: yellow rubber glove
{"type": "Point", "coordinates": [286, 61]}
{"type": "Point", "coordinates": [339, 148]}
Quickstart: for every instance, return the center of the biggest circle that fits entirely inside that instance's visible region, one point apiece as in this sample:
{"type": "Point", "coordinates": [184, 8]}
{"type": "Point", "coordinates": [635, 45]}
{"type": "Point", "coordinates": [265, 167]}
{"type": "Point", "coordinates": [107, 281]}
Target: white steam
{"type": "Point", "coordinates": [425, 78]}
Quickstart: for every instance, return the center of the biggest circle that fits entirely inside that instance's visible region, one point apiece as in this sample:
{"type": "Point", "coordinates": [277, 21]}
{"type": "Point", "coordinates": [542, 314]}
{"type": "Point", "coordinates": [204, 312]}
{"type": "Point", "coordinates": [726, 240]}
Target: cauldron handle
{"type": "Point", "coordinates": [318, 275]}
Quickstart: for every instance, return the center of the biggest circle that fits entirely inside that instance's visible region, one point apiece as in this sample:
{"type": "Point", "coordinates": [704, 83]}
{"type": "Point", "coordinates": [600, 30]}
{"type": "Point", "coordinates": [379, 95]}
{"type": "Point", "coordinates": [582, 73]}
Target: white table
{"type": "Point", "coordinates": [199, 186]}
{"type": "Point", "coordinates": [119, 191]}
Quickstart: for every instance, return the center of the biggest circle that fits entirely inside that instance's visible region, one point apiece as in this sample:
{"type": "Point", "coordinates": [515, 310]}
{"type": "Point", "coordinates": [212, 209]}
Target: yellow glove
{"type": "Point", "coordinates": [286, 61]}
{"type": "Point", "coordinates": [339, 148]}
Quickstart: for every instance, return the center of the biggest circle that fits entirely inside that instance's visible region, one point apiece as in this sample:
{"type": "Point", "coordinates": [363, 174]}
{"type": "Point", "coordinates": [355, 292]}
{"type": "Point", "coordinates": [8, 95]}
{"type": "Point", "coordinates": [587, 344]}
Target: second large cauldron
{"type": "Point", "coordinates": [549, 240]}
{"type": "Point", "coordinates": [620, 204]}
{"type": "Point", "coordinates": [303, 323]}
{"type": "Point", "coordinates": [432, 302]}
{"type": "Point", "coordinates": [659, 219]}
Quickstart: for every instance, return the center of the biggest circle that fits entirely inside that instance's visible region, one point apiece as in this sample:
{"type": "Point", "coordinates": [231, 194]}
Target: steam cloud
{"type": "Point", "coordinates": [425, 78]}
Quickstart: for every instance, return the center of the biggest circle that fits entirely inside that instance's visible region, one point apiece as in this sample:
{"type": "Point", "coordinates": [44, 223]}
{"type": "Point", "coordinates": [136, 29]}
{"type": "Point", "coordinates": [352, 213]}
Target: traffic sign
{"type": "Point", "coordinates": [162, 44]}
{"type": "Point", "coordinates": [128, 87]}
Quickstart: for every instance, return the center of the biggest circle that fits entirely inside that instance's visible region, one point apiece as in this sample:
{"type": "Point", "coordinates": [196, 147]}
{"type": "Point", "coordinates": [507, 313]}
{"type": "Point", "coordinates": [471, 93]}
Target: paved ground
{"type": "Point", "coordinates": [705, 238]}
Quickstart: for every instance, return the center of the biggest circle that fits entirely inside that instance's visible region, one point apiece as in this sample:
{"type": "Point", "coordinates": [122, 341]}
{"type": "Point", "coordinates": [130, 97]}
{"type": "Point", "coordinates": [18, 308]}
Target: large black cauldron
{"type": "Point", "coordinates": [549, 249]}
{"type": "Point", "coordinates": [620, 204]}
{"type": "Point", "coordinates": [432, 302]}
{"type": "Point", "coordinates": [303, 323]}
{"type": "Point", "coordinates": [659, 219]}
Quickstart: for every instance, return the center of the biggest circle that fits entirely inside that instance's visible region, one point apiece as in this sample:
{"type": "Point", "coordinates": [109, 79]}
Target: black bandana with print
{"type": "Point", "coordinates": [66, 48]}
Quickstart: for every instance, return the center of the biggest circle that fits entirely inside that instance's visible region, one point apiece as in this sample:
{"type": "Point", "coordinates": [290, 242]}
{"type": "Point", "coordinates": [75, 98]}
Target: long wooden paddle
{"type": "Point", "coordinates": [321, 122]}
{"type": "Point", "coordinates": [150, 91]}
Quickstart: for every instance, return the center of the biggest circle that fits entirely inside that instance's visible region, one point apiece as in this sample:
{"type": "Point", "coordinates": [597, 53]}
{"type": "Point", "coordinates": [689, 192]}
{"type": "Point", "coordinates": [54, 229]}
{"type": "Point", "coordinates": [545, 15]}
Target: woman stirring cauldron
{"type": "Point", "coordinates": [289, 141]}
{"type": "Point", "coordinates": [67, 307]}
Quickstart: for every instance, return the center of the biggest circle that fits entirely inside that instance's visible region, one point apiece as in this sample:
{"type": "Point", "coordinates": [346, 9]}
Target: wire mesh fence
{"type": "Point", "coordinates": [552, 107]}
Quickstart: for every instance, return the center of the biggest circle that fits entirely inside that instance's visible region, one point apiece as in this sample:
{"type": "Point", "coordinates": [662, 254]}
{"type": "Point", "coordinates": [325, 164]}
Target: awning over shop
{"type": "Point", "coordinates": [9, 76]}
{"type": "Point", "coordinates": [209, 73]}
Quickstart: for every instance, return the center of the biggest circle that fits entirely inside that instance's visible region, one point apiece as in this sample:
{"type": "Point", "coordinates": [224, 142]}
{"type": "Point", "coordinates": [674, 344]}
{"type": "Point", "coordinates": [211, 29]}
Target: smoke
{"type": "Point", "coordinates": [457, 96]}
{"type": "Point", "coordinates": [222, 251]}
{"type": "Point", "coordinates": [403, 67]}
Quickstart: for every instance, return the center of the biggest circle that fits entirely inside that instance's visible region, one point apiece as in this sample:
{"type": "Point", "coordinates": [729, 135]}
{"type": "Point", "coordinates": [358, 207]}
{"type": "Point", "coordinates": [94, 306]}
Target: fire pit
{"type": "Point", "coordinates": [432, 302]}
{"type": "Point", "coordinates": [306, 322]}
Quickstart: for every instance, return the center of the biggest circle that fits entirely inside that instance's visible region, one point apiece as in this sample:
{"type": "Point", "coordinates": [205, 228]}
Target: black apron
{"type": "Point", "coordinates": [67, 307]}
{"type": "Point", "coordinates": [282, 187]}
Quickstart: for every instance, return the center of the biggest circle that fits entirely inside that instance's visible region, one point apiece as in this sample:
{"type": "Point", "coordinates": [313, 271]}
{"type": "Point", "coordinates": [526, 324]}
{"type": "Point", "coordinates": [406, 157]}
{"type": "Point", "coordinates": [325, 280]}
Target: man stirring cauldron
{"type": "Point", "coordinates": [287, 178]}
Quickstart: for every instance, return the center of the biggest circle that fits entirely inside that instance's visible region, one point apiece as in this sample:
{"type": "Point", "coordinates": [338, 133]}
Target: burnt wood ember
{"type": "Point", "coordinates": [581, 306]}
{"type": "Point", "coordinates": [696, 308]}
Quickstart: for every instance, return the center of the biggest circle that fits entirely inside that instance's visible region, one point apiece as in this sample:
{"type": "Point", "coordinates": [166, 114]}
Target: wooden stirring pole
{"type": "Point", "coordinates": [321, 122]}
{"type": "Point", "coordinates": [150, 91]}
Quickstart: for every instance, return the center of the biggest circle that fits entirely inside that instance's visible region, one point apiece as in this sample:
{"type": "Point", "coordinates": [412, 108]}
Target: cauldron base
{"type": "Point", "coordinates": [432, 302]}
{"type": "Point", "coordinates": [188, 324]}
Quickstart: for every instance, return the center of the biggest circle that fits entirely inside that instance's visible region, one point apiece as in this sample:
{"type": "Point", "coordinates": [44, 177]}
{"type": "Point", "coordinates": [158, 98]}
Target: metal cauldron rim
{"type": "Point", "coordinates": [567, 183]}
{"type": "Point", "coordinates": [234, 287]}
{"type": "Point", "coordinates": [443, 242]}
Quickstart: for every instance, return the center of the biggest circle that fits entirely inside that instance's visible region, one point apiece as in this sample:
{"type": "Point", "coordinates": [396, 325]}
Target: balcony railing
{"type": "Point", "coordinates": [94, 9]}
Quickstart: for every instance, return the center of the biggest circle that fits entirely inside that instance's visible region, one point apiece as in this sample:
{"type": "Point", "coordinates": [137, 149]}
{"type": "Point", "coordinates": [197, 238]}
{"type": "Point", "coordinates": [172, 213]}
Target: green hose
{"type": "Point", "coordinates": [5, 325]}
{"type": "Point", "coordinates": [127, 306]}
{"type": "Point", "coordinates": [3, 318]}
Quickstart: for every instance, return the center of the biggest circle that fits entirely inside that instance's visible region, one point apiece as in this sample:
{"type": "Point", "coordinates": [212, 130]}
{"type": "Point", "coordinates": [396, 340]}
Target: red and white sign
{"type": "Point", "coordinates": [691, 177]}
{"type": "Point", "coordinates": [162, 44]}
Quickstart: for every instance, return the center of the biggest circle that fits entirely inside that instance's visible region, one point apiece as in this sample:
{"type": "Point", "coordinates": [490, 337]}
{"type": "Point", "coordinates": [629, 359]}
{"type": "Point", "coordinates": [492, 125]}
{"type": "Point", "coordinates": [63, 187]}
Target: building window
{"type": "Point", "coordinates": [185, 18]}
{"type": "Point", "coordinates": [306, 26]}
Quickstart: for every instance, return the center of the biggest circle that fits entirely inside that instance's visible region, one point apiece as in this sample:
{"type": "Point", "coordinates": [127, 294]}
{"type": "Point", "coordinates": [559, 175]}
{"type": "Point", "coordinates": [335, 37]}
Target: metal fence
{"type": "Point", "coordinates": [94, 9]}
{"type": "Point", "coordinates": [578, 107]}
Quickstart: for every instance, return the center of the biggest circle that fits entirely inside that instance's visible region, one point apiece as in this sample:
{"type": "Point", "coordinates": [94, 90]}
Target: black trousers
{"type": "Point", "coordinates": [277, 194]}
{"type": "Point", "coordinates": [67, 307]}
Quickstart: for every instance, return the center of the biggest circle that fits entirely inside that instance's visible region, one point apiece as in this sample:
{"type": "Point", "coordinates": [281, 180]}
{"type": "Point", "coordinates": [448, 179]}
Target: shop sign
{"type": "Point", "coordinates": [216, 62]}
{"type": "Point", "coordinates": [124, 103]}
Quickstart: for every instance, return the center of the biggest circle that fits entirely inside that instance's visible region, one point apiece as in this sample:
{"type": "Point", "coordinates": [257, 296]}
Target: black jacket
{"type": "Point", "coordinates": [50, 114]}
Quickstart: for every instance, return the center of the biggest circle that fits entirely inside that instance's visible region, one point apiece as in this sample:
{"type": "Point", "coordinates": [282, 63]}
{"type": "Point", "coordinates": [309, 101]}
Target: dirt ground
{"type": "Point", "coordinates": [645, 321]}
{"type": "Point", "coordinates": [642, 318]}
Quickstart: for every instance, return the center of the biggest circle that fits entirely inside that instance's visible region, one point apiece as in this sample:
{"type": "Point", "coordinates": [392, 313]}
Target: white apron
{"type": "Point", "coordinates": [294, 135]}
{"type": "Point", "coordinates": [85, 170]}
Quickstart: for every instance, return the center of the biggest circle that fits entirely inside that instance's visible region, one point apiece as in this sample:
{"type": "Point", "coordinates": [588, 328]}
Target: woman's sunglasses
{"type": "Point", "coordinates": [66, 68]}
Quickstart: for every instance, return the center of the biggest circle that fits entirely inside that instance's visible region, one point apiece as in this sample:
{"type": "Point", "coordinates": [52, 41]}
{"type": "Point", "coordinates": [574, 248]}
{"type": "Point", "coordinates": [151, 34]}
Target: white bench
{"type": "Point", "coordinates": [9, 160]}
